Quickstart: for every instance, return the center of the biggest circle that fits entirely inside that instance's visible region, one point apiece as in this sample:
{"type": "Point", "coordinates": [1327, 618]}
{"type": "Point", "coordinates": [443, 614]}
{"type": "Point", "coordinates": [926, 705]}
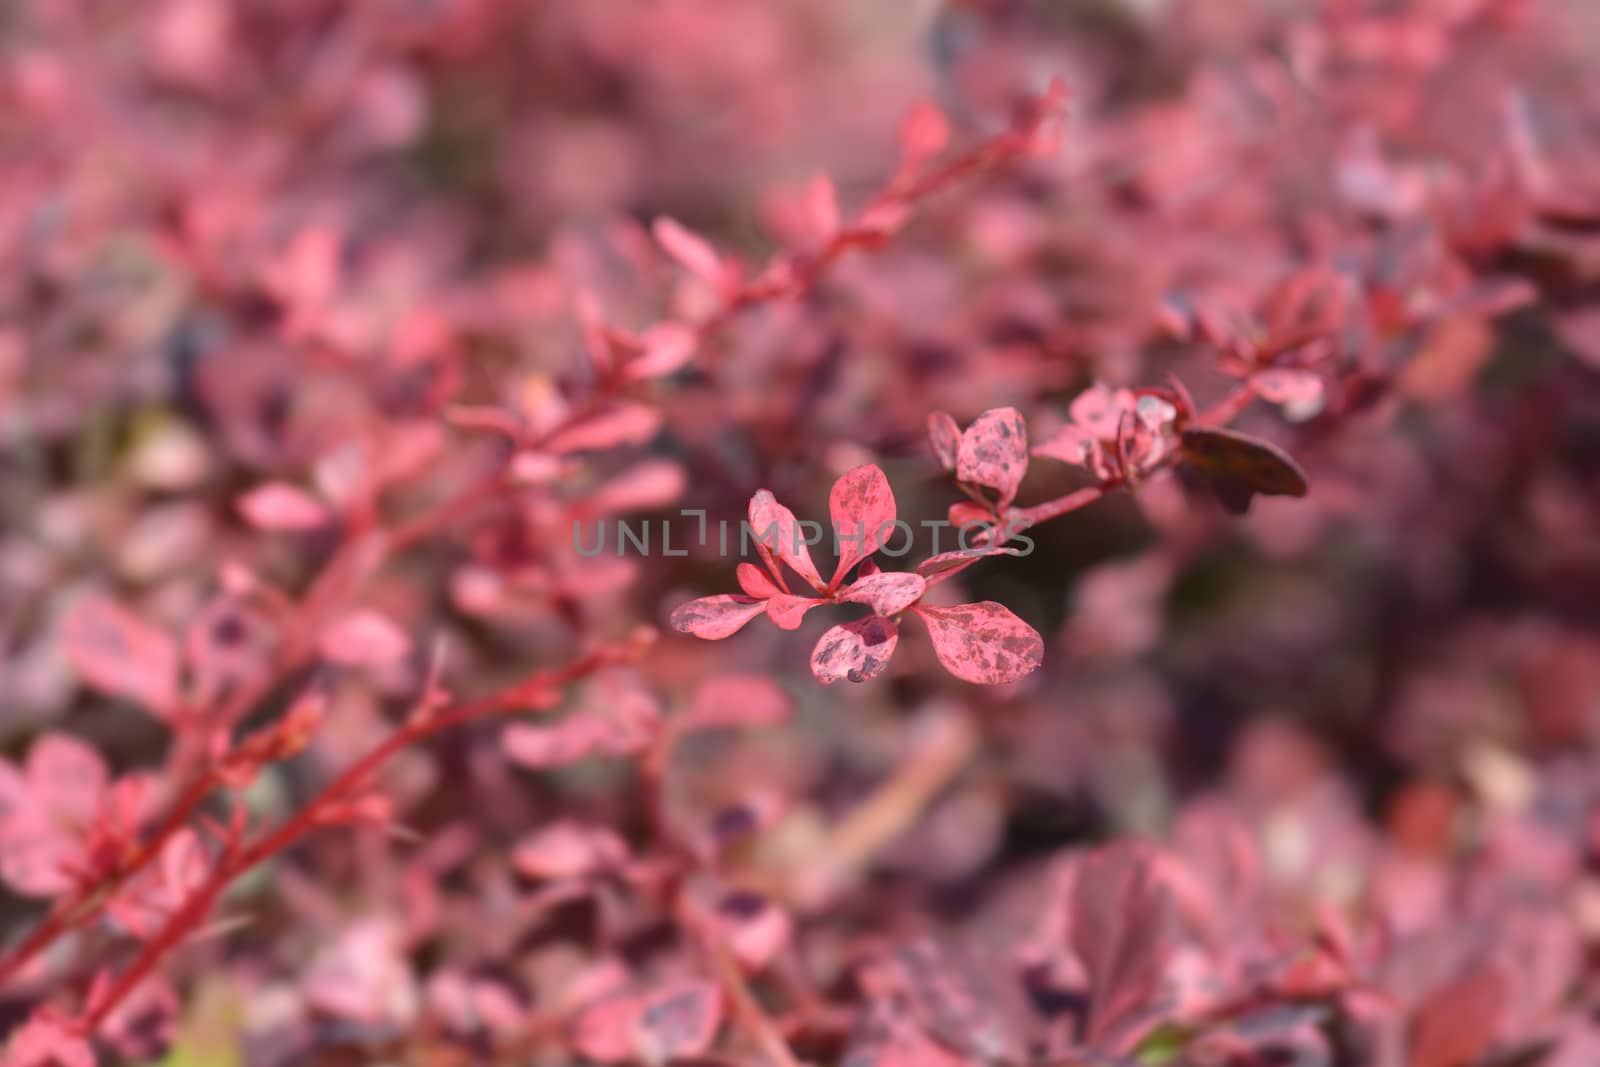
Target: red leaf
{"type": "Point", "coordinates": [715, 617]}
{"type": "Point", "coordinates": [364, 639]}
{"type": "Point", "coordinates": [945, 438]}
{"type": "Point", "coordinates": [856, 650]}
{"type": "Point", "coordinates": [155, 893]}
{"type": "Point", "coordinates": [735, 700]}
{"type": "Point", "coordinates": [653, 483]}
{"type": "Point", "coordinates": [667, 347]}
{"type": "Point", "coordinates": [1098, 411]}
{"type": "Point", "coordinates": [568, 849]}
{"type": "Point", "coordinates": [757, 582]}
{"type": "Point", "coordinates": [36, 854]}
{"type": "Point", "coordinates": [789, 611]}
{"type": "Point", "coordinates": [688, 248]}
{"type": "Point", "coordinates": [122, 655]}
{"type": "Point", "coordinates": [861, 505]}
{"type": "Point", "coordinates": [923, 135]}
{"type": "Point", "coordinates": [47, 1041]}
{"type": "Point", "coordinates": [778, 534]}
{"type": "Point", "coordinates": [66, 778]}
{"type": "Point", "coordinates": [822, 208]}
{"type": "Point", "coordinates": [281, 506]}
{"type": "Point", "coordinates": [983, 642]}
{"type": "Point", "coordinates": [886, 594]}
{"type": "Point", "coordinates": [753, 928]}
{"type": "Point", "coordinates": [994, 452]}
{"type": "Point", "coordinates": [1457, 1024]}
{"type": "Point", "coordinates": [678, 1020]}
{"type": "Point", "coordinates": [625, 424]}
{"type": "Point", "coordinates": [13, 789]}
{"type": "Point", "coordinates": [681, 1020]}
{"type": "Point", "coordinates": [1070, 444]}
{"type": "Point", "coordinates": [1121, 913]}
{"type": "Point", "coordinates": [578, 737]}
{"type": "Point", "coordinates": [945, 565]}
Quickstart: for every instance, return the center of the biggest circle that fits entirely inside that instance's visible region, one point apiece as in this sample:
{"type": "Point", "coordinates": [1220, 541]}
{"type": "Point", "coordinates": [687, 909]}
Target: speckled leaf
{"type": "Point", "coordinates": [983, 642]}
{"type": "Point", "coordinates": [994, 452]}
{"type": "Point", "coordinates": [887, 593]}
{"type": "Point", "coordinates": [716, 617]}
{"type": "Point", "coordinates": [855, 651]}
{"type": "Point", "coordinates": [861, 505]}
{"type": "Point", "coordinates": [777, 534]}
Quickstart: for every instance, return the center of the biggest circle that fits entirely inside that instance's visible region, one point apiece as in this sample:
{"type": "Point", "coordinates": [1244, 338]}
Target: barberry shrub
{"type": "Point", "coordinates": [1187, 411]}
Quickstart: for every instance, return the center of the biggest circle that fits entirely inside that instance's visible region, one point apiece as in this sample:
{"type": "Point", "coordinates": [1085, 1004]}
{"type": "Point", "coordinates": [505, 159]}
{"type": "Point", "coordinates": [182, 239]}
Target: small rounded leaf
{"type": "Point", "coordinates": [281, 506]}
{"type": "Point", "coordinates": [715, 617]}
{"type": "Point", "coordinates": [984, 642]}
{"type": "Point", "coordinates": [994, 452]}
{"type": "Point", "coordinates": [944, 436]}
{"type": "Point", "coordinates": [364, 639]}
{"type": "Point", "coordinates": [862, 507]}
{"type": "Point", "coordinates": [855, 651]}
{"type": "Point", "coordinates": [122, 655]}
{"type": "Point", "coordinates": [886, 594]}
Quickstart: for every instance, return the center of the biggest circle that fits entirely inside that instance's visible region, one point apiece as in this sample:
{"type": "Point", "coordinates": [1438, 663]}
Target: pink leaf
{"type": "Point", "coordinates": [151, 897]}
{"type": "Point", "coordinates": [667, 347]}
{"type": "Point", "coordinates": [362, 975]}
{"type": "Point", "coordinates": [1458, 1023]}
{"type": "Point", "coordinates": [1098, 411]}
{"type": "Point", "coordinates": [946, 565]}
{"type": "Point", "coordinates": [281, 506]}
{"type": "Point", "coordinates": [364, 639]}
{"type": "Point", "coordinates": [778, 534]}
{"type": "Point", "coordinates": [983, 643]}
{"type": "Point", "coordinates": [48, 1041]}
{"type": "Point", "coordinates": [735, 700]}
{"type": "Point", "coordinates": [591, 321]}
{"type": "Point", "coordinates": [789, 611]}
{"type": "Point", "coordinates": [120, 654]}
{"type": "Point", "coordinates": [619, 727]}
{"type": "Point", "coordinates": [756, 582]}
{"type": "Point", "coordinates": [569, 849]}
{"type": "Point", "coordinates": [679, 1020]}
{"type": "Point", "coordinates": [36, 854]}
{"type": "Point", "coordinates": [1070, 444]}
{"type": "Point", "coordinates": [886, 594]}
{"type": "Point", "coordinates": [855, 651]}
{"type": "Point", "coordinates": [753, 928]}
{"type": "Point", "coordinates": [625, 424]}
{"type": "Point", "coordinates": [1121, 915]}
{"type": "Point", "coordinates": [994, 452]}
{"type": "Point", "coordinates": [822, 207]}
{"type": "Point", "coordinates": [923, 135]}
{"type": "Point", "coordinates": [13, 789]}
{"type": "Point", "coordinates": [653, 483]}
{"type": "Point", "coordinates": [690, 249]}
{"type": "Point", "coordinates": [945, 438]}
{"type": "Point", "coordinates": [715, 617]}
{"type": "Point", "coordinates": [861, 505]}
{"type": "Point", "coordinates": [67, 778]}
